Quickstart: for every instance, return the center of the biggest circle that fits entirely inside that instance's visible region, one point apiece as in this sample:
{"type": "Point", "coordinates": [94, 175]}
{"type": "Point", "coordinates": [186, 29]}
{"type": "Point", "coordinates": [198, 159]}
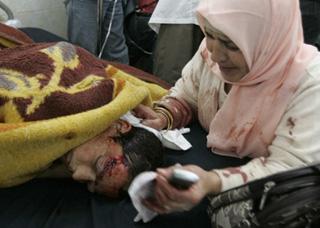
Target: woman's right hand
{"type": "Point", "coordinates": [150, 117]}
{"type": "Point", "coordinates": [169, 199]}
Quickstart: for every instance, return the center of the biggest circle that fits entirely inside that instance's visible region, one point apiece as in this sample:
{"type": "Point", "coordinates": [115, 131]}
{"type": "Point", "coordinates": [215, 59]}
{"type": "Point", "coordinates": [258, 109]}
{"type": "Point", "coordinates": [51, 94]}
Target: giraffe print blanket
{"type": "Point", "coordinates": [53, 97]}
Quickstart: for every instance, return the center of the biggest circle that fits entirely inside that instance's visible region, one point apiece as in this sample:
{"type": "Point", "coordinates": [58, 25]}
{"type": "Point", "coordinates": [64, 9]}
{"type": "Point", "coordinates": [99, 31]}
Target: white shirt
{"type": "Point", "coordinates": [174, 12]}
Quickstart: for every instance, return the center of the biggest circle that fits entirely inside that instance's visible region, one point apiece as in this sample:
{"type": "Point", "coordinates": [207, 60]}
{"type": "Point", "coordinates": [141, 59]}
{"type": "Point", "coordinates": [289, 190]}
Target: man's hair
{"type": "Point", "coordinates": [142, 150]}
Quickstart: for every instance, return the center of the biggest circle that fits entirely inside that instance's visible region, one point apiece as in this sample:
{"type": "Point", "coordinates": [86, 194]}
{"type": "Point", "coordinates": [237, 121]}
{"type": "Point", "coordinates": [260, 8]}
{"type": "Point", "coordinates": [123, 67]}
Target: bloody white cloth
{"type": "Point", "coordinates": [141, 188]}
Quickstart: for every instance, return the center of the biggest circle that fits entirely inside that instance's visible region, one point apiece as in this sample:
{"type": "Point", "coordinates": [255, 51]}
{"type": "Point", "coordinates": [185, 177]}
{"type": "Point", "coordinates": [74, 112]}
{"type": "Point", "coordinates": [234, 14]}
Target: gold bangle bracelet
{"type": "Point", "coordinates": [166, 112]}
{"type": "Point", "coordinates": [164, 115]}
{"type": "Point", "coordinates": [167, 115]}
{"type": "Point", "coordinates": [168, 118]}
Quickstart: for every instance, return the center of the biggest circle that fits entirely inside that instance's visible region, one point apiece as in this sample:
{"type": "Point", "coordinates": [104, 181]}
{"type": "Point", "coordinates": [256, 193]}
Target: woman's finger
{"type": "Point", "coordinates": [166, 188]}
{"type": "Point", "coordinates": [166, 172]}
{"type": "Point", "coordinates": [144, 112]}
{"type": "Point", "coordinates": [154, 123]}
{"type": "Point", "coordinates": [154, 206]}
{"type": "Point", "coordinates": [161, 196]}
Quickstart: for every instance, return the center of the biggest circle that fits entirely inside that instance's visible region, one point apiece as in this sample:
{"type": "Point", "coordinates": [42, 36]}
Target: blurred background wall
{"type": "Point", "coordinates": [46, 14]}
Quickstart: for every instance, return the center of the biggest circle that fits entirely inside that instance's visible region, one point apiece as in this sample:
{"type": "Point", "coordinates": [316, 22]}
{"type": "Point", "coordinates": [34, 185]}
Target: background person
{"type": "Point", "coordinates": [178, 39]}
{"type": "Point", "coordinates": [82, 27]}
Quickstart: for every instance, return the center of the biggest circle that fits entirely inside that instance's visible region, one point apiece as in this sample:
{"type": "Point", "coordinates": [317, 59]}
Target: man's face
{"type": "Point", "coordinates": [100, 163]}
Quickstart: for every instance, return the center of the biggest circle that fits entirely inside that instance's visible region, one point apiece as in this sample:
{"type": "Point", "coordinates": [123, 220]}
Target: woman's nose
{"type": "Point", "coordinates": [217, 50]}
{"type": "Point", "coordinates": [84, 174]}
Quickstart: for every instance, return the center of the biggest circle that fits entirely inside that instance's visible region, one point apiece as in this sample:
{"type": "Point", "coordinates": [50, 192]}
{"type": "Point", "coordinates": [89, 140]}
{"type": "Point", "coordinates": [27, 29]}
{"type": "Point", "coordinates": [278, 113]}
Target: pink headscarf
{"type": "Point", "coordinates": [269, 34]}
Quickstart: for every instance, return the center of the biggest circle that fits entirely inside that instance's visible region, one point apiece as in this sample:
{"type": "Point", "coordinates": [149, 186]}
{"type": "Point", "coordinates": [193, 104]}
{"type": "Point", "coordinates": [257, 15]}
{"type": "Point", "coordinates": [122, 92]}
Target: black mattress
{"type": "Point", "coordinates": [65, 203]}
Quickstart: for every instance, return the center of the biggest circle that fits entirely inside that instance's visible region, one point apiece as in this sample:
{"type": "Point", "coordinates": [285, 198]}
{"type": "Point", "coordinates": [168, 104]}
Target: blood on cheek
{"type": "Point", "coordinates": [112, 164]}
{"type": "Point", "coordinates": [113, 177]}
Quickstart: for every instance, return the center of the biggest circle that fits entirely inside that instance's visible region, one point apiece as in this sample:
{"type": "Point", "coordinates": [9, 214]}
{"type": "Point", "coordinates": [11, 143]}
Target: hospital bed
{"type": "Point", "coordinates": [64, 203]}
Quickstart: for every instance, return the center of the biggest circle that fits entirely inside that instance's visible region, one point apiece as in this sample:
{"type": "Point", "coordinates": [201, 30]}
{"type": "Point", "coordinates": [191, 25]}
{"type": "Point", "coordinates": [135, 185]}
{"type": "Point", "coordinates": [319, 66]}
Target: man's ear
{"type": "Point", "coordinates": [123, 126]}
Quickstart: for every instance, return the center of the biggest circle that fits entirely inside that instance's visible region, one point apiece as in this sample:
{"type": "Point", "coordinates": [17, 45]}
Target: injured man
{"type": "Point", "coordinates": [62, 107]}
{"type": "Point", "coordinates": [108, 162]}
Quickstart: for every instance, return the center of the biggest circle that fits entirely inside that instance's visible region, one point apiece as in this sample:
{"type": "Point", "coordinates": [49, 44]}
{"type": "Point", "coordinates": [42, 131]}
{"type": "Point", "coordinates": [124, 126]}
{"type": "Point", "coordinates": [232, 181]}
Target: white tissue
{"type": "Point", "coordinates": [172, 139]}
{"type": "Point", "coordinates": [142, 188]}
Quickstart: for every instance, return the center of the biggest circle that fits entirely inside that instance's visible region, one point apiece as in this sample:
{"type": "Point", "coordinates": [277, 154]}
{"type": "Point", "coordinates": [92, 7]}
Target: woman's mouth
{"type": "Point", "coordinates": [226, 70]}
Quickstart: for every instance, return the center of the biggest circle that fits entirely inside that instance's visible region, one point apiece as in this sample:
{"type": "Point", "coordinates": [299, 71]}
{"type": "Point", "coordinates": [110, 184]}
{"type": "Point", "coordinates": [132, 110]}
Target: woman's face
{"type": "Point", "coordinates": [100, 162]}
{"type": "Point", "coordinates": [226, 54]}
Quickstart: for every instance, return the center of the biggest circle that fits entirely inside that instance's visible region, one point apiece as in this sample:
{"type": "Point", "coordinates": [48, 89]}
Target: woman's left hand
{"type": "Point", "coordinates": [150, 117]}
{"type": "Point", "coordinates": [169, 199]}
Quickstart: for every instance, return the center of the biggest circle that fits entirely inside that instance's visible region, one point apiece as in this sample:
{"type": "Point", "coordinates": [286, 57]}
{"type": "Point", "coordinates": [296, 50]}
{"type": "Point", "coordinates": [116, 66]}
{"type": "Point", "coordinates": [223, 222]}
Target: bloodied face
{"type": "Point", "coordinates": [100, 162]}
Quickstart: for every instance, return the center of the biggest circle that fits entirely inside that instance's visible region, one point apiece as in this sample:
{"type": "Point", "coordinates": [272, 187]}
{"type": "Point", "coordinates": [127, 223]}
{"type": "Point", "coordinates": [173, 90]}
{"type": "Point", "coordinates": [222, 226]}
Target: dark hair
{"type": "Point", "coordinates": [142, 150]}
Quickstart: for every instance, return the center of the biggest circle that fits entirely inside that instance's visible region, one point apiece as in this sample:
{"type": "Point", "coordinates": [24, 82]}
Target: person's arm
{"type": "Point", "coordinates": [181, 102]}
{"type": "Point", "coordinates": [296, 141]}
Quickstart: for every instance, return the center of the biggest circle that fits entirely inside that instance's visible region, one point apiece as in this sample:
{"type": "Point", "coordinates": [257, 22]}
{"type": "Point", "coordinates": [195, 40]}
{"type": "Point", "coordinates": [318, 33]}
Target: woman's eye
{"type": "Point", "coordinates": [233, 48]}
{"type": "Point", "coordinates": [209, 35]}
{"type": "Point", "coordinates": [230, 45]}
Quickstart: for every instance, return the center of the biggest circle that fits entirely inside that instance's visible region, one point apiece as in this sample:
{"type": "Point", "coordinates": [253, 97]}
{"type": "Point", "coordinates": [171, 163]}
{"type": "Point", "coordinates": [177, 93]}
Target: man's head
{"type": "Point", "coordinates": [109, 161]}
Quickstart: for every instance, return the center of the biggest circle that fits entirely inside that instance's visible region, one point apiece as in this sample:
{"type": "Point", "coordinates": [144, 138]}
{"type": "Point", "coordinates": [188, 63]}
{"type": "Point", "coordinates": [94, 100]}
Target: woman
{"type": "Point", "coordinates": [250, 84]}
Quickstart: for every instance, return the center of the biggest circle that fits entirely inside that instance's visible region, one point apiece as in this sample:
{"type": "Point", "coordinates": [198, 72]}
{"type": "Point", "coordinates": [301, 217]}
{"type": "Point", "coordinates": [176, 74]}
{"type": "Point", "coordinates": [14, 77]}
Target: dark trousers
{"type": "Point", "coordinates": [310, 10]}
{"type": "Point", "coordinates": [175, 46]}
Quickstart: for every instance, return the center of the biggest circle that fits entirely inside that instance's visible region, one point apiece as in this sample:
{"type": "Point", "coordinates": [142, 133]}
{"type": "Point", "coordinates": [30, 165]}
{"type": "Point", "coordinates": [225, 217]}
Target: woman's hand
{"type": "Point", "coordinates": [170, 199]}
{"type": "Point", "coordinates": [150, 117]}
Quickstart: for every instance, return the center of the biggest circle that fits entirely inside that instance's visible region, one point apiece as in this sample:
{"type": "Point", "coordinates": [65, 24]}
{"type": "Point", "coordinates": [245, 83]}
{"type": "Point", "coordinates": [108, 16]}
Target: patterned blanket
{"type": "Point", "coordinates": [53, 97]}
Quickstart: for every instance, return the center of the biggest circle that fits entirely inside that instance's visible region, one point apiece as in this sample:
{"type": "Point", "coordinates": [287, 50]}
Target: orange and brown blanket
{"type": "Point", "coordinates": [53, 97]}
